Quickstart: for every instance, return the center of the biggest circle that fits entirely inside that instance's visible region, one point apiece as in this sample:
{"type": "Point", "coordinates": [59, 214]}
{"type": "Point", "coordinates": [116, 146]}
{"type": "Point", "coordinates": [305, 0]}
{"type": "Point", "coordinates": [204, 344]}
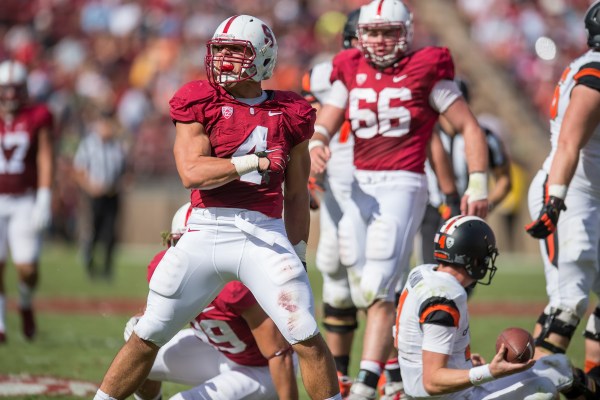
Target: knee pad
{"type": "Point", "coordinates": [336, 292]}
{"type": "Point", "coordinates": [592, 329]}
{"type": "Point", "coordinates": [560, 322]}
{"type": "Point", "coordinates": [381, 239]}
{"type": "Point", "coordinates": [339, 320]}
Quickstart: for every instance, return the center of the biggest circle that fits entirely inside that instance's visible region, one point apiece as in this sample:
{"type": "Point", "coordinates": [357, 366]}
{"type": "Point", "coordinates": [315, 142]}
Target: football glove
{"type": "Point", "coordinates": [314, 190]}
{"type": "Point", "coordinates": [277, 162]}
{"type": "Point", "coordinates": [545, 225]}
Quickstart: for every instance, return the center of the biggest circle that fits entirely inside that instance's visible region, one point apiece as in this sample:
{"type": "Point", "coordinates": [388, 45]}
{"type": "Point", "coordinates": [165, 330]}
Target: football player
{"type": "Point", "coordinates": [244, 153]}
{"type": "Point", "coordinates": [433, 335]}
{"type": "Point", "coordinates": [392, 96]}
{"type": "Point", "coordinates": [569, 185]}
{"type": "Point", "coordinates": [232, 350]}
{"type": "Point", "coordinates": [330, 192]}
{"type": "Point", "coordinates": [26, 173]}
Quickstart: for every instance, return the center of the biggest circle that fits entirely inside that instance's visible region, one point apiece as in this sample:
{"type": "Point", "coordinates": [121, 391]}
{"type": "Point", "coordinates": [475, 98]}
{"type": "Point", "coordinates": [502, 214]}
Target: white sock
{"type": "Point", "coordinates": [371, 366]}
{"type": "Point", "coordinates": [25, 296]}
{"type": "Point", "coordinates": [2, 313]}
{"type": "Point", "coordinates": [100, 395]}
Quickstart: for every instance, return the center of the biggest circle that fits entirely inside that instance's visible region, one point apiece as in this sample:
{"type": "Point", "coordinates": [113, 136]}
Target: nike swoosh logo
{"type": "Point", "coordinates": [272, 113]}
{"type": "Point", "coordinates": [397, 79]}
{"type": "Point", "coordinates": [207, 309]}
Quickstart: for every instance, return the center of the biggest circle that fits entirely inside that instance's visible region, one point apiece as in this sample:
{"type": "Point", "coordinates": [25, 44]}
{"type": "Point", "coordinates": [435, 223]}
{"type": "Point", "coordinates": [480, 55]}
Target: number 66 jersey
{"type": "Point", "coordinates": [392, 110]}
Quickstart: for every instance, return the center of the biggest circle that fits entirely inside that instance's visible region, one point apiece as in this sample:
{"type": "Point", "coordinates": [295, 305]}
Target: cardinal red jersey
{"type": "Point", "coordinates": [221, 323]}
{"type": "Point", "coordinates": [284, 120]}
{"type": "Point", "coordinates": [18, 148]}
{"type": "Point", "coordinates": [389, 109]}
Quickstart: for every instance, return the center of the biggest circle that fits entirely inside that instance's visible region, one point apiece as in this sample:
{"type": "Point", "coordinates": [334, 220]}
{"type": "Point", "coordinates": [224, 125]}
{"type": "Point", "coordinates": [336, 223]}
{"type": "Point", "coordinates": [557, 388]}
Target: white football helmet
{"type": "Point", "coordinates": [13, 85]}
{"type": "Point", "coordinates": [179, 222]}
{"type": "Point", "coordinates": [253, 34]}
{"type": "Point", "coordinates": [385, 15]}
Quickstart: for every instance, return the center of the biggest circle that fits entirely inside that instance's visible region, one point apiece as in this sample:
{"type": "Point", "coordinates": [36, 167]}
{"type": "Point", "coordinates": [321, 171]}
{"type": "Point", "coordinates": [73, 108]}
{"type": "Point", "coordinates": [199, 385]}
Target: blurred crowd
{"type": "Point", "coordinates": [126, 58]}
{"type": "Point", "coordinates": [534, 40]}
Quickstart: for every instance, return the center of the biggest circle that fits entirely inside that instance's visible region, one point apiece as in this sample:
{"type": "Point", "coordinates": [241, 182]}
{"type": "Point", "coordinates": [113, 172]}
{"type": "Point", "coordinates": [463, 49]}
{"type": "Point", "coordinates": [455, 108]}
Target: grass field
{"type": "Point", "coordinates": [81, 345]}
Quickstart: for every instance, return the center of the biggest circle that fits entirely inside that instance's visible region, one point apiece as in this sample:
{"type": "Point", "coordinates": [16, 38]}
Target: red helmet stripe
{"type": "Point", "coordinates": [228, 24]}
{"type": "Point", "coordinates": [379, 7]}
{"type": "Point", "coordinates": [453, 222]}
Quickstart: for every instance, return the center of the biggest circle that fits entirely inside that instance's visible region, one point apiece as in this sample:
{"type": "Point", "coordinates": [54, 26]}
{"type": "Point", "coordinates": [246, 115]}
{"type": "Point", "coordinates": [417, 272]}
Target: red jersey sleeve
{"type": "Point", "coordinates": [302, 119]}
{"type": "Point", "coordinates": [44, 117]}
{"type": "Point", "coordinates": [444, 66]}
{"type": "Point", "coordinates": [186, 105]}
{"type": "Point", "coordinates": [235, 297]}
{"type": "Point", "coordinates": [344, 66]}
{"type": "Point", "coordinates": [154, 263]}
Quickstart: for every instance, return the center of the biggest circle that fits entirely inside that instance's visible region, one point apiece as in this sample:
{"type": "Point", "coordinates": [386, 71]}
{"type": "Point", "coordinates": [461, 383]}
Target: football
{"type": "Point", "coordinates": [519, 345]}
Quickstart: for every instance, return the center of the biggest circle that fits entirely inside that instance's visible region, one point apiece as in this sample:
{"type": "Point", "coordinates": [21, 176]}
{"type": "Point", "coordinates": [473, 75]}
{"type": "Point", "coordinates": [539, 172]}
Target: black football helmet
{"type": "Point", "coordinates": [469, 242]}
{"type": "Point", "coordinates": [592, 25]}
{"type": "Point", "coordinates": [351, 28]}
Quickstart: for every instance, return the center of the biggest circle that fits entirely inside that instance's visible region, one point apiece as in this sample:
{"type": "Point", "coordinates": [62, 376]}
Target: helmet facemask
{"type": "Point", "coordinates": [392, 32]}
{"type": "Point", "coordinates": [479, 267]}
{"type": "Point", "coordinates": [221, 68]}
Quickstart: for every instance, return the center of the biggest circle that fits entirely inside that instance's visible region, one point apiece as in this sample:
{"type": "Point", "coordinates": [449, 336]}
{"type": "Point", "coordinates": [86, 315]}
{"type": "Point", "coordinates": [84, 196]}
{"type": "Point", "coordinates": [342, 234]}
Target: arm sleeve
{"type": "Point", "coordinates": [589, 75]}
{"type": "Point", "coordinates": [438, 338]}
{"type": "Point", "coordinates": [338, 96]}
{"type": "Point", "coordinates": [443, 94]}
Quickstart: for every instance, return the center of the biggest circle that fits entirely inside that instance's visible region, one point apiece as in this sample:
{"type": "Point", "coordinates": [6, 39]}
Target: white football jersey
{"type": "Point", "coordinates": [341, 164]}
{"type": "Point", "coordinates": [432, 297]}
{"type": "Point", "coordinates": [584, 70]}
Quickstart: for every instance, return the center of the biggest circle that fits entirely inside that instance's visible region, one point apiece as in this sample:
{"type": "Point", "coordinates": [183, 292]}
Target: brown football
{"type": "Point", "coordinates": [519, 345]}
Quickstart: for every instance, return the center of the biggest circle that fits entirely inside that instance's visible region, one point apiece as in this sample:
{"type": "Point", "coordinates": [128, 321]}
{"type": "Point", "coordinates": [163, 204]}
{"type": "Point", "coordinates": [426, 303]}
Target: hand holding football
{"type": "Point", "coordinates": [519, 344]}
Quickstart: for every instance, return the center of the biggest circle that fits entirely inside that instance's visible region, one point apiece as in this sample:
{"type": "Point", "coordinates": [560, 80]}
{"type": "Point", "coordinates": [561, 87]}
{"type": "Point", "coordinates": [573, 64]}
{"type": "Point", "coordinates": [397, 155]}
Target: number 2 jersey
{"type": "Point", "coordinates": [18, 148]}
{"type": "Point", "coordinates": [234, 128]}
{"type": "Point", "coordinates": [584, 70]}
{"type": "Point", "coordinates": [392, 111]}
{"type": "Point", "coordinates": [221, 324]}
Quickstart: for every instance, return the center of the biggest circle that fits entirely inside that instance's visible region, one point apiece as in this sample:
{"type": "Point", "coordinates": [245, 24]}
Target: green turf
{"type": "Point", "coordinates": [82, 346]}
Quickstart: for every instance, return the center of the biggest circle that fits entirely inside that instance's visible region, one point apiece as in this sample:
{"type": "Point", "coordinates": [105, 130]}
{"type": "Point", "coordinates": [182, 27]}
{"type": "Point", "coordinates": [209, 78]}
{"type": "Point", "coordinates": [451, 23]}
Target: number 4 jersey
{"type": "Point", "coordinates": [392, 111]}
{"type": "Point", "coordinates": [18, 145]}
{"type": "Point", "coordinates": [234, 128]}
{"type": "Point", "coordinates": [221, 324]}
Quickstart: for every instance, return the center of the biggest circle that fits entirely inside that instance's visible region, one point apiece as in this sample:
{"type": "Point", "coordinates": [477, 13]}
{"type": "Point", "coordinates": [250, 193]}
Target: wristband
{"type": "Point", "coordinates": [477, 189]}
{"type": "Point", "coordinates": [300, 249]}
{"type": "Point", "coordinates": [320, 129]}
{"type": "Point", "coordinates": [315, 143]}
{"type": "Point", "coordinates": [245, 164]}
{"type": "Point", "coordinates": [559, 191]}
{"type": "Point", "coordinates": [480, 375]}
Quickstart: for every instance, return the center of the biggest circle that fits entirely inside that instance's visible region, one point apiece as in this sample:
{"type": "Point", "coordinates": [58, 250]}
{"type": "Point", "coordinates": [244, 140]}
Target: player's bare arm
{"type": "Point", "coordinates": [329, 121]}
{"type": "Point", "coordinates": [502, 185]}
{"type": "Point", "coordinates": [295, 200]}
{"type": "Point", "coordinates": [45, 158]}
{"type": "Point", "coordinates": [274, 348]}
{"type": "Point", "coordinates": [441, 165]}
{"type": "Point", "coordinates": [197, 169]}
{"type": "Point", "coordinates": [461, 118]}
{"type": "Point", "coordinates": [580, 120]}
{"type": "Point", "coordinates": [438, 379]}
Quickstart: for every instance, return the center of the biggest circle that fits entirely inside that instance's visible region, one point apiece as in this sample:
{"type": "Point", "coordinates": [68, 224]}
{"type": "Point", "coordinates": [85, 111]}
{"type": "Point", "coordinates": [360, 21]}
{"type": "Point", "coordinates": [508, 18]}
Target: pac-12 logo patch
{"type": "Point", "coordinates": [361, 78]}
{"type": "Point", "coordinates": [227, 111]}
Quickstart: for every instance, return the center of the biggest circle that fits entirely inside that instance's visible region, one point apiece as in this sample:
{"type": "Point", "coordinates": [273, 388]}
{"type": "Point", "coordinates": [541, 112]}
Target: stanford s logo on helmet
{"type": "Point", "coordinates": [592, 25]}
{"type": "Point", "coordinates": [259, 56]}
{"type": "Point", "coordinates": [469, 242]}
{"type": "Point", "coordinates": [385, 15]}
